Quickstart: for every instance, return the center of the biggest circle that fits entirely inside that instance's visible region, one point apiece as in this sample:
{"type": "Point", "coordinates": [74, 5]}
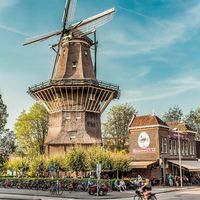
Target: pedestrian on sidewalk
{"type": "Point", "coordinates": [170, 180]}
{"type": "Point", "coordinates": [176, 181]}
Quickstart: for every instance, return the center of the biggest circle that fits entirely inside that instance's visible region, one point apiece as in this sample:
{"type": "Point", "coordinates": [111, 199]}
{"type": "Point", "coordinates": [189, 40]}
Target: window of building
{"type": "Point", "coordinates": [78, 115]}
{"type": "Point", "coordinates": [186, 148]}
{"type": "Point", "coordinates": [68, 115]}
{"type": "Point", "coordinates": [74, 64]}
{"type": "Point", "coordinates": [86, 53]}
{"type": "Point", "coordinates": [190, 146]}
{"type": "Point", "coordinates": [182, 148]}
{"type": "Point", "coordinates": [193, 148]}
{"type": "Point", "coordinates": [170, 147]}
{"type": "Point", "coordinates": [175, 147]}
{"type": "Point", "coordinates": [163, 145]}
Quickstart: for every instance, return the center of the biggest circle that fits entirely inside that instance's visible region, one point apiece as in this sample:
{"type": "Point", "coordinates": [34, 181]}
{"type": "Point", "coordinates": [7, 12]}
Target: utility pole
{"type": "Point", "coordinates": [179, 158]}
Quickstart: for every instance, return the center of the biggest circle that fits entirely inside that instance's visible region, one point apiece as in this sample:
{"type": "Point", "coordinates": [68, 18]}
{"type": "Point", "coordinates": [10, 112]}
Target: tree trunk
{"type": "Point", "coordinates": [117, 174]}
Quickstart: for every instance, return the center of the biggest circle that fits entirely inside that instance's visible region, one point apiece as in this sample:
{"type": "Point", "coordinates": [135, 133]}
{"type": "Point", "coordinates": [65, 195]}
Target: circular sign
{"type": "Point", "coordinates": [143, 140]}
{"type": "Point", "coordinates": [51, 168]}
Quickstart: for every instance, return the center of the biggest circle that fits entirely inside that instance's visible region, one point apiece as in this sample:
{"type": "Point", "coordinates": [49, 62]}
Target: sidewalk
{"type": "Point", "coordinates": [165, 189]}
{"type": "Point", "coordinates": [85, 195]}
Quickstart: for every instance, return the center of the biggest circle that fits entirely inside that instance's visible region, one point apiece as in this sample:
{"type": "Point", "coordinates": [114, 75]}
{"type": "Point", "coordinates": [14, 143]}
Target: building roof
{"type": "Point", "coordinates": [181, 126]}
{"type": "Point", "coordinates": [146, 120]}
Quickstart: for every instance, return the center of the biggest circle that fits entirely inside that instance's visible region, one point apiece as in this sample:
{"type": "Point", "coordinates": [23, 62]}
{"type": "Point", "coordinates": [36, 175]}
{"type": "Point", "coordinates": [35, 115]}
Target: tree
{"type": "Point", "coordinates": [116, 126]}
{"type": "Point", "coordinates": [7, 137]}
{"type": "Point", "coordinates": [173, 114]}
{"type": "Point", "coordinates": [31, 130]}
{"type": "Point", "coordinates": [76, 159]}
{"type": "Point", "coordinates": [18, 165]}
{"type": "Point", "coordinates": [3, 114]}
{"type": "Point", "coordinates": [193, 120]}
{"type": "Point", "coordinates": [120, 161]}
{"type": "Point", "coordinates": [98, 155]}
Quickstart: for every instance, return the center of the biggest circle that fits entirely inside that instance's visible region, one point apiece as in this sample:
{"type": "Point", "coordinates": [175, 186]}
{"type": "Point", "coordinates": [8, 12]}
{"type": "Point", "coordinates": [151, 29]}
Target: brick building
{"type": "Point", "coordinates": [154, 146]}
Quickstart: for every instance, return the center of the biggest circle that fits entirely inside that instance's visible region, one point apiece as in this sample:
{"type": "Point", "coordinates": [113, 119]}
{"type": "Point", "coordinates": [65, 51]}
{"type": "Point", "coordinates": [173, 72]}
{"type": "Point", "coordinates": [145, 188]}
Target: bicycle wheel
{"type": "Point", "coordinates": [52, 190]}
{"type": "Point", "coordinates": [137, 197]}
{"type": "Point", "coordinates": [59, 191]}
{"type": "Point", "coordinates": [153, 197]}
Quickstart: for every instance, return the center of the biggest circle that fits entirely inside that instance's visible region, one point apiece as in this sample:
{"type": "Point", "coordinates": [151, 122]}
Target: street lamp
{"type": "Point", "coordinates": [179, 157]}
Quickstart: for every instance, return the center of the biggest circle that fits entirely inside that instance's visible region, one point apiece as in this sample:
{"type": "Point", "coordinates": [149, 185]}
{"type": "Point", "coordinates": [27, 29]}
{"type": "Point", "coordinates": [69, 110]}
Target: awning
{"type": "Point", "coordinates": [140, 164]}
{"type": "Point", "coordinates": [191, 165]}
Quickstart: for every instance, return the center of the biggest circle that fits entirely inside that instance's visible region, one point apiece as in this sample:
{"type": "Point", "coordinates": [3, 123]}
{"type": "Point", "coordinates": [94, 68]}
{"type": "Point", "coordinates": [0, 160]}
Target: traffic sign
{"type": "Point", "coordinates": [51, 168]}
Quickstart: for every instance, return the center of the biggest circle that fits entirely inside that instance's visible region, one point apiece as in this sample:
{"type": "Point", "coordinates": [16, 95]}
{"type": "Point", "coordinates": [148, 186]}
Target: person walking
{"type": "Point", "coordinates": [170, 180]}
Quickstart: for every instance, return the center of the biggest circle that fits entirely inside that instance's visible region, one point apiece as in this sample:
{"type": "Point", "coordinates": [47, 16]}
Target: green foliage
{"type": "Point", "coordinates": [116, 126]}
{"type": "Point", "coordinates": [37, 166]}
{"type": "Point", "coordinates": [173, 114]}
{"type": "Point", "coordinates": [76, 159]}
{"type": "Point", "coordinates": [31, 130]}
{"type": "Point", "coordinates": [7, 137]}
{"type": "Point", "coordinates": [18, 165]}
{"type": "Point", "coordinates": [3, 114]}
{"type": "Point", "coordinates": [3, 159]}
{"type": "Point", "coordinates": [193, 120]}
{"type": "Point", "coordinates": [98, 155]}
{"type": "Point", "coordinates": [120, 161]}
{"type": "Point", "coordinates": [59, 161]}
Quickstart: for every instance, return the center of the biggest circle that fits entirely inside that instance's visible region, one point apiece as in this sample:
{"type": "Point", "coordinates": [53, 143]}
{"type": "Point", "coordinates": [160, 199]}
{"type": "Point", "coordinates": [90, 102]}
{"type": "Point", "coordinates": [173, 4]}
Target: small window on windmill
{"type": "Point", "coordinates": [68, 115]}
{"type": "Point", "coordinates": [74, 64]}
{"type": "Point", "coordinates": [78, 115]}
{"type": "Point", "coordinates": [86, 53]}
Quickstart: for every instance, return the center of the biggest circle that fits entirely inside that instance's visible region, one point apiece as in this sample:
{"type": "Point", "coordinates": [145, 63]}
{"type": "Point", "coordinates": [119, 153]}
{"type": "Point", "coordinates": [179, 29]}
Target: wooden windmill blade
{"type": "Point", "coordinates": [68, 16]}
{"type": "Point", "coordinates": [69, 12]}
{"type": "Point", "coordinates": [41, 37]}
{"type": "Point", "coordinates": [94, 22]}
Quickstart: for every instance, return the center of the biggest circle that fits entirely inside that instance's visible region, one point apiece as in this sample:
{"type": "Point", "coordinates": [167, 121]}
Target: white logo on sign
{"type": "Point", "coordinates": [143, 140]}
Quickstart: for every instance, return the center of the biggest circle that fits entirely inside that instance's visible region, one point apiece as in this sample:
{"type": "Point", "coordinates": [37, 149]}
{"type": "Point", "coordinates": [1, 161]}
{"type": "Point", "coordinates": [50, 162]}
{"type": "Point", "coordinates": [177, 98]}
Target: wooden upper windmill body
{"type": "Point", "coordinates": [73, 96]}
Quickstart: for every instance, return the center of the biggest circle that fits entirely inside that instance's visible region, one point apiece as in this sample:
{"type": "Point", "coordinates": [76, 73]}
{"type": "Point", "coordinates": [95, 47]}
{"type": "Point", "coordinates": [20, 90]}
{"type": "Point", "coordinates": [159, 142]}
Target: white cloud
{"type": "Point", "coordinates": [7, 3]}
{"type": "Point", "coordinates": [164, 89]}
{"type": "Point", "coordinates": [156, 34]}
{"type": "Point", "coordinates": [13, 30]}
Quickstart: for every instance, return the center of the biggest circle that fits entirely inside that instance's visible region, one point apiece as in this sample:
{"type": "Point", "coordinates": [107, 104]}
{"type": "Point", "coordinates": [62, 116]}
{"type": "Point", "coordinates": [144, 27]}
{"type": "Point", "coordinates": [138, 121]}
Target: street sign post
{"type": "Point", "coordinates": [98, 173]}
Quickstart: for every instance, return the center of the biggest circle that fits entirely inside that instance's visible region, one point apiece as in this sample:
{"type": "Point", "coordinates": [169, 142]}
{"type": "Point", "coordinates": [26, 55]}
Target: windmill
{"type": "Point", "coordinates": [80, 29]}
{"type": "Point", "coordinates": [73, 96]}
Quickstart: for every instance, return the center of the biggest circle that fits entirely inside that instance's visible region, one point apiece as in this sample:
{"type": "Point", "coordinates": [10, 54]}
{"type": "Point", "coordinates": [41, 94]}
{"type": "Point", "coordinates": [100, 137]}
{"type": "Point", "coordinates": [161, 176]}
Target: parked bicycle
{"type": "Point", "coordinates": [55, 188]}
{"type": "Point", "coordinates": [140, 196]}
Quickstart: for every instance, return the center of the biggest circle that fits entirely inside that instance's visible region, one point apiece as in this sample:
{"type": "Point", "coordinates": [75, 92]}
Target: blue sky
{"type": "Point", "coordinates": [151, 49]}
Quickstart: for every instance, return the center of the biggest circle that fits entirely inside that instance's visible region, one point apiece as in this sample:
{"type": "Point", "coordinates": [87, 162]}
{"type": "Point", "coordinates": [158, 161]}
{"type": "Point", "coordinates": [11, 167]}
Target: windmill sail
{"type": "Point", "coordinates": [69, 12]}
{"type": "Point", "coordinates": [94, 22]}
{"type": "Point", "coordinates": [41, 37]}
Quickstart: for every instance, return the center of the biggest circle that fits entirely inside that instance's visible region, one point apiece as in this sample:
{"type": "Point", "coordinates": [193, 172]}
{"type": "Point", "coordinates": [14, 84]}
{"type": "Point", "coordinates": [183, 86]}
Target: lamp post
{"type": "Point", "coordinates": [179, 158]}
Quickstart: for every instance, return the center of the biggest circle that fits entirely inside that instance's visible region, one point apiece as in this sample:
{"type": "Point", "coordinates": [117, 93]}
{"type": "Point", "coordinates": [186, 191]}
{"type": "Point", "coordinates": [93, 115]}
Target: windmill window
{"type": "Point", "coordinates": [68, 116]}
{"type": "Point", "coordinates": [74, 64]}
{"type": "Point", "coordinates": [78, 115]}
{"type": "Point", "coordinates": [86, 53]}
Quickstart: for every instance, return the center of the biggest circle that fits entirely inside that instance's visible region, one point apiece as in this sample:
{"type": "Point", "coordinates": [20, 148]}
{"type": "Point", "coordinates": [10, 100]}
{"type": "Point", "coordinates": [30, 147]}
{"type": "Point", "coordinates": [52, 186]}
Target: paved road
{"type": "Point", "coordinates": [193, 194]}
{"type": "Point", "coordinates": [189, 194]}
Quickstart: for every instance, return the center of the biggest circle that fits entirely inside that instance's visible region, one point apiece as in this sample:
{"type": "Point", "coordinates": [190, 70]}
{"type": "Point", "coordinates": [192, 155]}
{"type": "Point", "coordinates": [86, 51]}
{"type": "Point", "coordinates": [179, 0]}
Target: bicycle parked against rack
{"type": "Point", "coordinates": [55, 188]}
{"type": "Point", "coordinates": [140, 196]}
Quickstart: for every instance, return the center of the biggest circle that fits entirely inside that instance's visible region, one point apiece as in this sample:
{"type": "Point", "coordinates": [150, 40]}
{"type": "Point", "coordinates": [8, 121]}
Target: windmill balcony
{"type": "Point", "coordinates": [75, 95]}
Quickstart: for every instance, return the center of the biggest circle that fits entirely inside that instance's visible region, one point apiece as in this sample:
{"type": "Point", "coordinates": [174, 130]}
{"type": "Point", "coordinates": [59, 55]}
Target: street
{"type": "Point", "coordinates": [193, 194]}
{"type": "Point", "coordinates": [187, 194]}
